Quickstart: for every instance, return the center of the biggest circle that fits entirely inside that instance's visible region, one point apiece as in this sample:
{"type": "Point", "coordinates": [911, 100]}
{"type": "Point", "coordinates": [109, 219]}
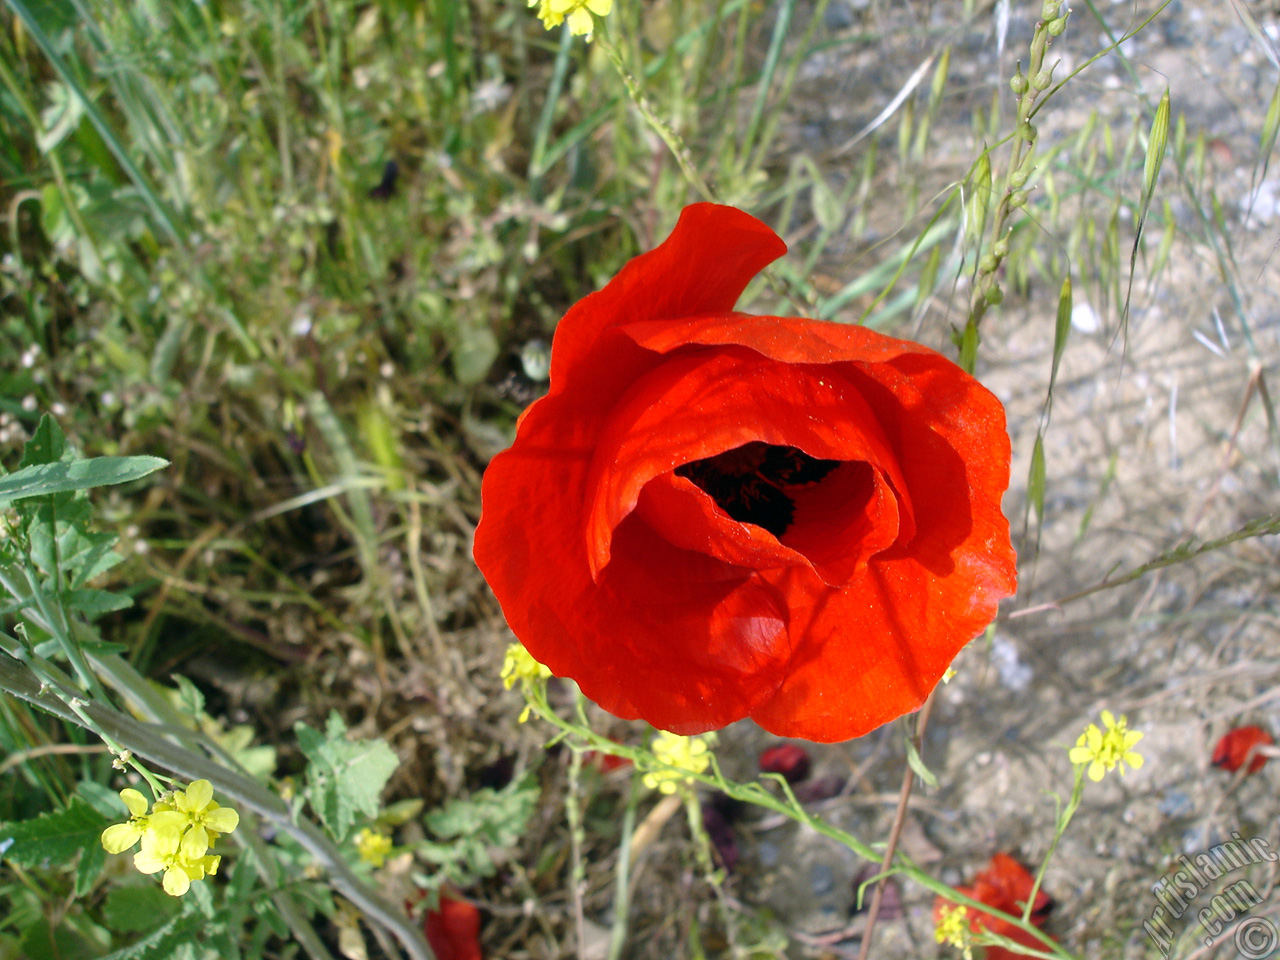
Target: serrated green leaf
{"type": "Point", "coordinates": [44, 478]}
{"type": "Point", "coordinates": [917, 764]}
{"type": "Point", "coordinates": [470, 829]}
{"type": "Point", "coordinates": [47, 445]}
{"type": "Point", "coordinates": [89, 868]}
{"type": "Point", "coordinates": [344, 777]}
{"type": "Point", "coordinates": [137, 907]}
{"type": "Point", "coordinates": [54, 838]}
{"type": "Point", "coordinates": [94, 603]}
{"type": "Point", "coordinates": [166, 941]}
{"type": "Point", "coordinates": [61, 540]}
{"type": "Point", "coordinates": [190, 699]}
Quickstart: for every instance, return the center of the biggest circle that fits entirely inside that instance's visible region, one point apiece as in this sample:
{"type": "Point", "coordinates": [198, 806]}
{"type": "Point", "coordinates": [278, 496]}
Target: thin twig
{"type": "Point", "coordinates": [899, 818]}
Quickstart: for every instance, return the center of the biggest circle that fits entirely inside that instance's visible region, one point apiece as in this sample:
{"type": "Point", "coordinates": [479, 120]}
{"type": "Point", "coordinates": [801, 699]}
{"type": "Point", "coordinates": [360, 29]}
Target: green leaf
{"type": "Point", "coordinates": [95, 603]}
{"type": "Point", "coordinates": [1062, 328]}
{"type": "Point", "coordinates": [135, 908]}
{"type": "Point", "coordinates": [1036, 477]}
{"type": "Point", "coordinates": [166, 942]}
{"type": "Point", "coordinates": [43, 478]}
{"type": "Point", "coordinates": [344, 777]}
{"type": "Point", "coordinates": [103, 799]}
{"type": "Point", "coordinates": [190, 699]}
{"type": "Point", "coordinates": [53, 838]}
{"type": "Point", "coordinates": [474, 352]}
{"type": "Point", "coordinates": [917, 764]}
{"type": "Point", "coordinates": [47, 445]}
{"type": "Point", "coordinates": [472, 828]}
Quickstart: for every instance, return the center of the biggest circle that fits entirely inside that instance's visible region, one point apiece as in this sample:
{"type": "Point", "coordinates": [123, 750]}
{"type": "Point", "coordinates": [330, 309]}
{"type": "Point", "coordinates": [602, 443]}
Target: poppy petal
{"type": "Point", "coordinates": [711, 255]}
{"type": "Point", "coordinates": [702, 404]}
{"type": "Point", "coordinates": [1233, 749]}
{"type": "Point", "coordinates": [919, 602]}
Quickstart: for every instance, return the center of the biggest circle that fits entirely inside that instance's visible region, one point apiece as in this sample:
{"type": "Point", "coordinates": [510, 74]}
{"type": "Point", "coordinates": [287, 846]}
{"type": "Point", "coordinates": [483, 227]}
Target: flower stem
{"type": "Point", "coordinates": [152, 743]}
{"type": "Point", "coordinates": [672, 139]}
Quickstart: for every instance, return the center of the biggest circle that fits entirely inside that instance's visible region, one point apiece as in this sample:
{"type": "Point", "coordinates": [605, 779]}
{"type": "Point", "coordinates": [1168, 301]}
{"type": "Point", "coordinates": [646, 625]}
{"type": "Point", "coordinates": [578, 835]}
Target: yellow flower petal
{"type": "Point", "coordinates": [119, 837]}
{"type": "Point", "coordinates": [1080, 754]}
{"type": "Point", "coordinates": [134, 801]}
{"type": "Point", "coordinates": [198, 795]}
{"type": "Point", "coordinates": [146, 861]}
{"type": "Point", "coordinates": [195, 843]}
{"type": "Point", "coordinates": [176, 882]}
{"type": "Point", "coordinates": [223, 820]}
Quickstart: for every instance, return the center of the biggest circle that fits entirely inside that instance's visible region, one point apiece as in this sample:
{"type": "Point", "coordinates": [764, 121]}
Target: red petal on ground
{"type": "Point", "coordinates": [453, 930]}
{"type": "Point", "coordinates": [788, 759]}
{"type": "Point", "coordinates": [1004, 885]}
{"type": "Point", "coordinates": [1233, 749]}
{"type": "Point", "coordinates": [1011, 884]}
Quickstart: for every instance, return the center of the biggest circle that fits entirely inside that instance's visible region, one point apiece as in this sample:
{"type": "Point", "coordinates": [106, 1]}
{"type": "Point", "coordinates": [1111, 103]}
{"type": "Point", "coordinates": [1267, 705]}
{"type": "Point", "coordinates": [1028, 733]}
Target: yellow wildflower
{"type": "Point", "coordinates": [163, 850]}
{"type": "Point", "coordinates": [202, 817]}
{"type": "Point", "coordinates": [552, 13]}
{"type": "Point", "coordinates": [953, 928]}
{"type": "Point", "coordinates": [373, 846]}
{"type": "Point", "coordinates": [119, 837]}
{"type": "Point", "coordinates": [519, 667]}
{"type": "Point", "coordinates": [175, 836]}
{"type": "Point", "coordinates": [1105, 751]}
{"type": "Point", "coordinates": [685, 753]}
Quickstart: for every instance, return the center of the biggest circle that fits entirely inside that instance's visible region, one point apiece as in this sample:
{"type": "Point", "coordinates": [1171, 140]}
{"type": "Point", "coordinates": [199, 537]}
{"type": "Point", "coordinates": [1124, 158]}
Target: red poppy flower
{"type": "Point", "coordinates": [713, 515]}
{"type": "Point", "coordinates": [1005, 885]}
{"type": "Point", "coordinates": [1233, 749]}
{"type": "Point", "coordinates": [453, 930]}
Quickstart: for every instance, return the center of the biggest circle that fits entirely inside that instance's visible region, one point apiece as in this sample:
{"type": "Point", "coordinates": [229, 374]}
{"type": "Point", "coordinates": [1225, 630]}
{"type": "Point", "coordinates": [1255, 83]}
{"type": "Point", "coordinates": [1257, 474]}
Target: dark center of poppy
{"type": "Point", "coordinates": [754, 483]}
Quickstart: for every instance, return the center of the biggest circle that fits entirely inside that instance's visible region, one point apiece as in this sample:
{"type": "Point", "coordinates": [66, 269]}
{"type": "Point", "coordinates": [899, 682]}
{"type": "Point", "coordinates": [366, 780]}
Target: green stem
{"type": "Point", "coordinates": [672, 139]}
{"type": "Point", "coordinates": [152, 744]}
{"type": "Point", "coordinates": [1077, 792]}
{"type": "Point", "coordinates": [788, 805]}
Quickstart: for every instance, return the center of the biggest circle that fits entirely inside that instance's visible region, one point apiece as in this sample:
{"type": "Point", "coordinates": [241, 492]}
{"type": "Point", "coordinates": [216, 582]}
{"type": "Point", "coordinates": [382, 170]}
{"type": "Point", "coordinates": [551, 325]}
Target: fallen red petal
{"type": "Point", "coordinates": [788, 759]}
{"type": "Point", "coordinates": [1233, 750]}
{"type": "Point", "coordinates": [453, 930]}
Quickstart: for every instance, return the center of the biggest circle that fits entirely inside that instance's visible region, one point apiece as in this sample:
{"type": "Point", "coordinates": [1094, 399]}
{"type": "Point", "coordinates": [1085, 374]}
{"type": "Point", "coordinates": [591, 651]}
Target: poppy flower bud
{"type": "Point", "coordinates": [787, 759]}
